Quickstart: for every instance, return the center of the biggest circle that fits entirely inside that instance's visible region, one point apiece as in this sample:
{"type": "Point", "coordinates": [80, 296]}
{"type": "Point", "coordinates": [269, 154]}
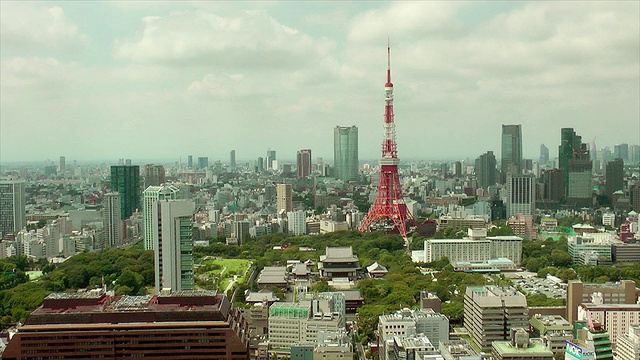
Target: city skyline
{"type": "Point", "coordinates": [93, 80]}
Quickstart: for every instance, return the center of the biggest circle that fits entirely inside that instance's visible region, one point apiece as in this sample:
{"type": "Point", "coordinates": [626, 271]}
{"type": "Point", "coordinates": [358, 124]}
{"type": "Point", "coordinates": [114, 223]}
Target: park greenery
{"type": "Point", "coordinates": [130, 271]}
{"type": "Point", "coordinates": [214, 273]}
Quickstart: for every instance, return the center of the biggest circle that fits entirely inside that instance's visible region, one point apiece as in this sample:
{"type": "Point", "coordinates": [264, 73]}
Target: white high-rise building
{"type": "Point", "coordinates": [521, 195]}
{"type": "Point", "coordinates": [173, 246]}
{"type": "Point", "coordinates": [628, 345]}
{"type": "Point", "coordinates": [51, 236]}
{"type": "Point", "coordinates": [297, 223]}
{"type": "Point", "coordinates": [609, 219]}
{"type": "Point", "coordinates": [150, 198]}
{"type": "Point", "coordinates": [12, 206]}
{"type": "Point", "coordinates": [112, 221]}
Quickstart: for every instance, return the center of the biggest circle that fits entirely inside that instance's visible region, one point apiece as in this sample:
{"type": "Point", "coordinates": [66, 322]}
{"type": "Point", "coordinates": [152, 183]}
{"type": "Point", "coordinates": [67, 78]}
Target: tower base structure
{"type": "Point", "coordinates": [389, 209]}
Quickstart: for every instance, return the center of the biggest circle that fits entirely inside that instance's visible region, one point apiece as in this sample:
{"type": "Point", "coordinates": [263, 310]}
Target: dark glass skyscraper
{"type": "Point", "coordinates": [345, 152]}
{"type": "Point", "coordinates": [485, 169]}
{"type": "Point", "coordinates": [511, 161]}
{"type": "Point", "coordinates": [232, 160]}
{"type": "Point", "coordinates": [575, 163]}
{"type": "Point", "coordinates": [126, 181]}
{"type": "Point", "coordinates": [614, 176]}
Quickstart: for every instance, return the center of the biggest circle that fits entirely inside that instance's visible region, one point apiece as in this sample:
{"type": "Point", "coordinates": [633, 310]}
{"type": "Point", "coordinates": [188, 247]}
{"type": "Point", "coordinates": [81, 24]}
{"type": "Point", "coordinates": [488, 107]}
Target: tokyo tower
{"type": "Point", "coordinates": [389, 209]}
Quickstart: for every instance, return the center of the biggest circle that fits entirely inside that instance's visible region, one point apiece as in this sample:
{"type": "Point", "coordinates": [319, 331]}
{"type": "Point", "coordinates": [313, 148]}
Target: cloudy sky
{"type": "Point", "coordinates": [160, 80]}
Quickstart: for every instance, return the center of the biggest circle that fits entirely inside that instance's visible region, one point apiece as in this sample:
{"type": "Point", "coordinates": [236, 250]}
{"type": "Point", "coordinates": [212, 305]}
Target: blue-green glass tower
{"type": "Point", "coordinates": [345, 152]}
{"type": "Point", "coordinates": [126, 181]}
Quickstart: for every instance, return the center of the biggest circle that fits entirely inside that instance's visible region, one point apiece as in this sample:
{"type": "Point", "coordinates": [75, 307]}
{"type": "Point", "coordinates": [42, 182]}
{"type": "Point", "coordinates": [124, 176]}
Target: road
{"type": "Point", "coordinates": [359, 347]}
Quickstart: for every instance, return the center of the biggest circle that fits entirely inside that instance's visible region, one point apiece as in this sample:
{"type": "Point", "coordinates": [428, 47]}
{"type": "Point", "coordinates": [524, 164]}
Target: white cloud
{"type": "Point", "coordinates": [221, 77]}
{"type": "Point", "coordinates": [34, 27]}
{"type": "Point", "coordinates": [406, 21]}
{"type": "Point", "coordinates": [201, 38]}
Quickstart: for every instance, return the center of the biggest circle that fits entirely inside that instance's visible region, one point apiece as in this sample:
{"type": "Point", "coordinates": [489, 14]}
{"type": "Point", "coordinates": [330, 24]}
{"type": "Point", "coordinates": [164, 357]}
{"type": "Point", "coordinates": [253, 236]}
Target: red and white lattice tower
{"type": "Point", "coordinates": [389, 208]}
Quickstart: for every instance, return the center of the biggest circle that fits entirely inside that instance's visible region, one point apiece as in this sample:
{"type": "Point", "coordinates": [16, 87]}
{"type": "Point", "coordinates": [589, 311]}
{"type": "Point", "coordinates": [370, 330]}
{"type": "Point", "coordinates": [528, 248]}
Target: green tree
{"type": "Point", "coordinates": [454, 311]}
{"type": "Point", "coordinates": [560, 258]}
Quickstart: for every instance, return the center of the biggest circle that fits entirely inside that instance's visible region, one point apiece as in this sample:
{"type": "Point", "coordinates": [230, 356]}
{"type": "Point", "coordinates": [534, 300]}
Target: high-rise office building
{"type": "Point", "coordinates": [174, 246]}
{"type": "Point", "coordinates": [304, 163]}
{"type": "Point", "coordinates": [553, 185]}
{"type": "Point", "coordinates": [511, 161]}
{"type": "Point", "coordinates": [444, 170]}
{"type": "Point", "coordinates": [150, 198]}
{"type": "Point", "coordinates": [154, 175]}
{"type": "Point", "coordinates": [241, 231]}
{"type": "Point", "coordinates": [485, 169]}
{"type": "Point", "coordinates": [203, 162]}
{"type": "Point", "coordinates": [112, 222]}
{"type": "Point", "coordinates": [12, 206]}
{"type": "Point", "coordinates": [260, 164]}
{"type": "Point", "coordinates": [634, 154]}
{"type": "Point", "coordinates": [614, 176]}
{"type": "Point", "coordinates": [621, 151]}
{"type": "Point", "coordinates": [575, 163]}
{"type": "Point", "coordinates": [62, 167]}
{"type": "Point", "coordinates": [271, 160]}
{"type": "Point", "coordinates": [457, 169]}
{"type": "Point", "coordinates": [345, 152]}
{"type": "Point", "coordinates": [190, 161]}
{"type": "Point", "coordinates": [490, 312]}
{"type": "Point", "coordinates": [521, 195]}
{"type": "Point", "coordinates": [284, 198]}
{"type": "Point", "coordinates": [232, 160]}
{"type": "Point", "coordinates": [126, 181]}
{"type": "Point", "coordinates": [544, 154]}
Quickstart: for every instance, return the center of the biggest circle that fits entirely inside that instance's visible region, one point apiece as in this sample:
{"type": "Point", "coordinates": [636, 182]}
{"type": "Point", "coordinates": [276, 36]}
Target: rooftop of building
{"type": "Point", "coordinates": [544, 323]}
{"type": "Point", "coordinates": [496, 296]}
{"type": "Point", "coordinates": [413, 342]}
{"type": "Point", "coordinates": [460, 241]}
{"type": "Point", "coordinates": [97, 306]}
{"type": "Point", "coordinates": [612, 307]}
{"type": "Point", "coordinates": [505, 237]}
{"type": "Point", "coordinates": [264, 295]}
{"type": "Point", "coordinates": [338, 254]}
{"type": "Point", "coordinates": [411, 314]}
{"type": "Point", "coordinates": [535, 347]}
